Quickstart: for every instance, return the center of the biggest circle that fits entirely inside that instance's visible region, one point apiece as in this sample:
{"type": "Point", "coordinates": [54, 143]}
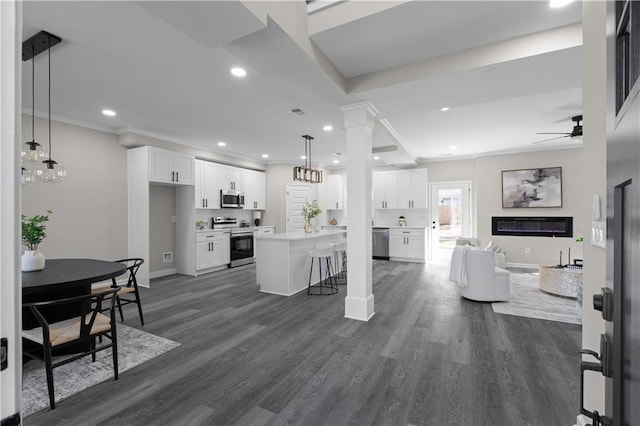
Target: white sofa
{"type": "Point", "coordinates": [477, 275]}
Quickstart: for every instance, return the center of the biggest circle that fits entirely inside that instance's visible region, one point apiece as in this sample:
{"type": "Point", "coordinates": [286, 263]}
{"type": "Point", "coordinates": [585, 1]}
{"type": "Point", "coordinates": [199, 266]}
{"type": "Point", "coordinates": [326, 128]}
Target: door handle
{"type": "Point", "coordinates": [173, 176]}
{"type": "Point", "coordinates": [603, 302]}
{"type": "Point", "coordinates": [604, 367]}
{"type": "Point", "coordinates": [177, 177]}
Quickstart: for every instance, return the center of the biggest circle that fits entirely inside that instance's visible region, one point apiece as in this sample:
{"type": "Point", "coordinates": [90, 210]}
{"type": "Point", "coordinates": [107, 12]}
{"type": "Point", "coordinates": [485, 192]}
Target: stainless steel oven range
{"type": "Point", "coordinates": [241, 240]}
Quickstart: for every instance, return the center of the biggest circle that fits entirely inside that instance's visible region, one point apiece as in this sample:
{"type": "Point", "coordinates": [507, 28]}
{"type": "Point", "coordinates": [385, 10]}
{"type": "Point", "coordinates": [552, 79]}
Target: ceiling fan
{"type": "Point", "coordinates": [577, 131]}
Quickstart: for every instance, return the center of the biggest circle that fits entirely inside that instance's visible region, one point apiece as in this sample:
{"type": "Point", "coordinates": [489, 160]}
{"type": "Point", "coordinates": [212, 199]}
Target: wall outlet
{"type": "Point", "coordinates": [527, 250]}
{"type": "Point", "coordinates": [167, 257]}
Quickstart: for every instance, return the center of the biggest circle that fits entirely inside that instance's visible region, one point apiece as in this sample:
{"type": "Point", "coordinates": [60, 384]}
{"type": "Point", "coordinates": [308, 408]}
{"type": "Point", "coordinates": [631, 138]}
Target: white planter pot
{"type": "Point", "coordinates": [32, 260]}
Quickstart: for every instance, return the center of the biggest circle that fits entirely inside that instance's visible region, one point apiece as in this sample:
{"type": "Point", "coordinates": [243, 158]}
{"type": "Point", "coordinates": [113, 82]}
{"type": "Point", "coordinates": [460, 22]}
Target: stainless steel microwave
{"type": "Point", "coordinates": [231, 199]}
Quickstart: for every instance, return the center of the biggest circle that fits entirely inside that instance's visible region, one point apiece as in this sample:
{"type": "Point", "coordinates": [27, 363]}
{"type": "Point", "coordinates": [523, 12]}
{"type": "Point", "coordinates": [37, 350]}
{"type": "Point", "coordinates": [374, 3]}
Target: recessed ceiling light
{"type": "Point", "coordinates": [328, 128]}
{"type": "Point", "coordinates": [336, 161]}
{"type": "Point", "coordinates": [304, 157]}
{"type": "Point", "coordinates": [559, 3]}
{"type": "Point", "coordinates": [109, 112]}
{"type": "Point", "coordinates": [222, 144]}
{"type": "Point", "coordinates": [238, 72]}
{"type": "Point", "coordinates": [376, 158]}
{"type": "Point", "coordinates": [265, 155]}
{"type": "Point", "coordinates": [453, 147]}
{"type": "Point", "coordinates": [445, 109]}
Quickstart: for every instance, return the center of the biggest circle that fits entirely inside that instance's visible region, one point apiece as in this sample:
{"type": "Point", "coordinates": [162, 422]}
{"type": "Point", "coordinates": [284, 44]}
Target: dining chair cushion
{"type": "Point", "coordinates": [67, 330]}
{"type": "Point", "coordinates": [123, 290]}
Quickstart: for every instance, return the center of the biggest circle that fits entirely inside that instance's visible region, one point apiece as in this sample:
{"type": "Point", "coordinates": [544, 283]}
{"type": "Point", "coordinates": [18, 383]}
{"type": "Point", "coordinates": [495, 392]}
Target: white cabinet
{"type": "Point", "coordinates": [207, 185]}
{"type": "Point", "coordinates": [254, 183]}
{"type": "Point", "coordinates": [212, 249]}
{"type": "Point", "coordinates": [171, 167]}
{"type": "Point", "coordinates": [385, 193]}
{"type": "Point", "coordinates": [335, 193]}
{"type": "Point", "coordinates": [230, 178]}
{"type": "Point", "coordinates": [257, 233]}
{"type": "Point", "coordinates": [412, 189]}
{"type": "Point", "coordinates": [407, 244]}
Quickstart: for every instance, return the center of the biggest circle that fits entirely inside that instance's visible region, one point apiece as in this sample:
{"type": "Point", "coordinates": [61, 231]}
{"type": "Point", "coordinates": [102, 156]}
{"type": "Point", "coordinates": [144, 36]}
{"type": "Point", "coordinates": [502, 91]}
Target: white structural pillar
{"type": "Point", "coordinates": [358, 120]}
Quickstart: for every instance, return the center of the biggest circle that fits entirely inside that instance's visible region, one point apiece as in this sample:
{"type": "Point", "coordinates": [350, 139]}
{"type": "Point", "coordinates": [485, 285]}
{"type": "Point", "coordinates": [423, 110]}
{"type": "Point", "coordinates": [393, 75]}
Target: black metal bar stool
{"type": "Point", "coordinates": [340, 257]}
{"type": "Point", "coordinates": [327, 284]}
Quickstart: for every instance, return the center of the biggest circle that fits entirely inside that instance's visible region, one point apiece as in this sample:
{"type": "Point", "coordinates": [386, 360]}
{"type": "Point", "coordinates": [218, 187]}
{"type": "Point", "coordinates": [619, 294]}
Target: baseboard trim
{"type": "Point", "coordinates": [522, 265]}
{"type": "Point", "coordinates": [162, 273]}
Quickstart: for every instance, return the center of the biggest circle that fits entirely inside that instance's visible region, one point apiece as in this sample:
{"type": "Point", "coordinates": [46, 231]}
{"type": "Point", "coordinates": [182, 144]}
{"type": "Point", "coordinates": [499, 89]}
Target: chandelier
{"type": "Point", "coordinates": [306, 173]}
{"type": "Point", "coordinates": [47, 169]}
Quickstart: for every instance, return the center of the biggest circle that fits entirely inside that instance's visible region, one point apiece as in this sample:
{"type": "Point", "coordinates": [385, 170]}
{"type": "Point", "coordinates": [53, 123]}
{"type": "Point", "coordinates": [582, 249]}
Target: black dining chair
{"type": "Point", "coordinates": [80, 331]}
{"type": "Point", "coordinates": [128, 292]}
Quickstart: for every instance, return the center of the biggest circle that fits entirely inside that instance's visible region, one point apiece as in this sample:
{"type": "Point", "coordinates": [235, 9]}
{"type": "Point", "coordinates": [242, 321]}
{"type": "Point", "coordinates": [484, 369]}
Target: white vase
{"type": "Point", "coordinates": [32, 260]}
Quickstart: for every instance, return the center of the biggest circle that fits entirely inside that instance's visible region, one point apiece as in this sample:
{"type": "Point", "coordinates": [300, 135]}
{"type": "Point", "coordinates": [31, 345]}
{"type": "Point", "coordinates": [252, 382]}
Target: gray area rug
{"type": "Point", "coordinates": [527, 300]}
{"type": "Point", "coordinates": [134, 347]}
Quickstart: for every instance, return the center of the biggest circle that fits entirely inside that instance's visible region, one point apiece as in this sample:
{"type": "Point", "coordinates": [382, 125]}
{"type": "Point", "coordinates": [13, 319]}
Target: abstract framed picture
{"type": "Point", "coordinates": [532, 188]}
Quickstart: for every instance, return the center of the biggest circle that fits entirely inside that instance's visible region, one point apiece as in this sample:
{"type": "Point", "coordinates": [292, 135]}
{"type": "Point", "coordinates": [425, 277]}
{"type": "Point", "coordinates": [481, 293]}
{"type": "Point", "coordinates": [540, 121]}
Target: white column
{"type": "Point", "coordinates": [358, 120]}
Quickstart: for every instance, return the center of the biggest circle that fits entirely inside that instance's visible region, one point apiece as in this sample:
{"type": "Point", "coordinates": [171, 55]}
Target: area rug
{"type": "Point", "coordinates": [527, 300]}
{"type": "Point", "coordinates": [134, 348]}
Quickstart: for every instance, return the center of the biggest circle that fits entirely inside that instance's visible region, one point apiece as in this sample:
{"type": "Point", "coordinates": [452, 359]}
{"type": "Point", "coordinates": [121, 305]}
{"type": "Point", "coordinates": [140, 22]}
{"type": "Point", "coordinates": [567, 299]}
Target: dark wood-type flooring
{"type": "Point", "coordinates": [247, 358]}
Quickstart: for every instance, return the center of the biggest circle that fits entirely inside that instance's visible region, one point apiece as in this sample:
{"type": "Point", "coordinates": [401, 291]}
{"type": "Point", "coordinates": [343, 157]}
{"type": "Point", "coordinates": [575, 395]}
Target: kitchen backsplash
{"type": "Point", "coordinates": [239, 214]}
{"type": "Point", "coordinates": [417, 217]}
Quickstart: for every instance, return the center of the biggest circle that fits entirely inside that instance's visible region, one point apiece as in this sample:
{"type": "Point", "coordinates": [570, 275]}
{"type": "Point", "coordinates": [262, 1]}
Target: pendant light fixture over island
{"type": "Point", "coordinates": [306, 173]}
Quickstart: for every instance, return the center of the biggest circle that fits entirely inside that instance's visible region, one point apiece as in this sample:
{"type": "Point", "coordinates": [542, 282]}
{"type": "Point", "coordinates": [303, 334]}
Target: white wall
{"type": "Point", "coordinates": [90, 207]}
{"type": "Point", "coordinates": [486, 180]}
{"type": "Point", "coordinates": [277, 178]}
{"type": "Point", "coordinates": [162, 207]}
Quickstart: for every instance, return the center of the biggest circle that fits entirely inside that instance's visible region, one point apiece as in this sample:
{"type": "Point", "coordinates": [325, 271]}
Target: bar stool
{"type": "Point", "coordinates": [322, 252]}
{"type": "Point", "coordinates": [340, 257]}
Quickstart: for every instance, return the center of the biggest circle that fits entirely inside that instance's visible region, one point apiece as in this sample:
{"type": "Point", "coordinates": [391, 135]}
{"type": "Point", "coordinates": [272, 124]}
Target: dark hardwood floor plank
{"type": "Point", "coordinates": [426, 357]}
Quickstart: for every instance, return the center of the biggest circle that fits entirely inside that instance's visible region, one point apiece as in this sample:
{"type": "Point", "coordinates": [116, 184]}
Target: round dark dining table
{"type": "Point", "coordinates": [61, 275]}
{"type": "Point", "coordinates": [63, 278]}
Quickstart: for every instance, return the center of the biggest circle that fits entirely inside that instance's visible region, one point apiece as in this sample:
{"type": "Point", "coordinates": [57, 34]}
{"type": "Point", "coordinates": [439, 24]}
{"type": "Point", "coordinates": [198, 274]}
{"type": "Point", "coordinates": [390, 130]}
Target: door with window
{"type": "Point", "coordinates": [450, 216]}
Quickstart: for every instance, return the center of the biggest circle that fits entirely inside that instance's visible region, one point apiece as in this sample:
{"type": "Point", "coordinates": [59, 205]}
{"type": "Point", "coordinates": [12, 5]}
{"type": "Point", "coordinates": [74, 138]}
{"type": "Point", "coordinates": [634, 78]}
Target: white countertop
{"type": "Point", "coordinates": [399, 227]}
{"type": "Point", "coordinates": [301, 235]}
{"type": "Point", "coordinates": [252, 228]}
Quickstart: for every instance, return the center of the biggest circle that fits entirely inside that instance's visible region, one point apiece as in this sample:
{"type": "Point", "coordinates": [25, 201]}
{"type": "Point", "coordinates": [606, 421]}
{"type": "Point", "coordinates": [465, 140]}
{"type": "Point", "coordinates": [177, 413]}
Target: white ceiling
{"type": "Point", "coordinates": [164, 67]}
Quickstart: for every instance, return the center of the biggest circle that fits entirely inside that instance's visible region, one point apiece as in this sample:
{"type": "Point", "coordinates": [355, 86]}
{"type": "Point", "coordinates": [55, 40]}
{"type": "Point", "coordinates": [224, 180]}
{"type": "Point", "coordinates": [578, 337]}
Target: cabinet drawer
{"type": "Point", "coordinates": [209, 236]}
{"type": "Point", "coordinates": [407, 232]}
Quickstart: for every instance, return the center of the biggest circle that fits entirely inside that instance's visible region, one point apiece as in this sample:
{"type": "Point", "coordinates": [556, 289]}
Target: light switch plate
{"type": "Point", "coordinates": [599, 234]}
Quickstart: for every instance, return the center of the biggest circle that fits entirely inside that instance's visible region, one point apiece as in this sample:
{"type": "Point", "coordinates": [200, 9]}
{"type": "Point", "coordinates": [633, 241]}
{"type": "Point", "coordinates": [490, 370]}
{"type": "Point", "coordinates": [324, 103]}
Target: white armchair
{"type": "Point", "coordinates": [476, 273]}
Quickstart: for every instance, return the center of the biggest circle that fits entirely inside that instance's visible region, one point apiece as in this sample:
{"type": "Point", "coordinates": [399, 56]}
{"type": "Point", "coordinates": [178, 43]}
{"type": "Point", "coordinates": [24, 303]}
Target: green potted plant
{"type": "Point", "coordinates": [309, 211]}
{"type": "Point", "coordinates": [33, 232]}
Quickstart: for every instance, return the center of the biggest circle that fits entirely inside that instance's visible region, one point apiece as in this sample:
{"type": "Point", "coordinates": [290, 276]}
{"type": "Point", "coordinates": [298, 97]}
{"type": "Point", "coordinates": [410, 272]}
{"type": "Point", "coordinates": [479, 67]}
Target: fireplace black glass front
{"type": "Point", "coordinates": [545, 226]}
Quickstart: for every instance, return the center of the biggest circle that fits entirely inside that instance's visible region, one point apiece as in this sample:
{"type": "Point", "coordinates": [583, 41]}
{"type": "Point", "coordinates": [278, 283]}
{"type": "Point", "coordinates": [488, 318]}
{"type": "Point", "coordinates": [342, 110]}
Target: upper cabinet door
{"type": "Point", "coordinates": [254, 187]}
{"type": "Point", "coordinates": [391, 190]}
{"type": "Point", "coordinates": [378, 190]}
{"type": "Point", "coordinates": [171, 167]}
{"type": "Point", "coordinates": [160, 162]}
{"type": "Point", "coordinates": [404, 189]}
{"type": "Point", "coordinates": [335, 193]}
{"type": "Point", "coordinates": [184, 166]}
{"type": "Point", "coordinates": [419, 188]}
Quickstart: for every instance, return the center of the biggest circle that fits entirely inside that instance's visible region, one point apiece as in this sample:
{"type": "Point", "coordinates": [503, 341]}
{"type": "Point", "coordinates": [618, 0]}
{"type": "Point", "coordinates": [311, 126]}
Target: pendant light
{"type": "Point", "coordinates": [32, 152]}
{"type": "Point", "coordinates": [306, 173]}
{"type": "Point", "coordinates": [51, 171]}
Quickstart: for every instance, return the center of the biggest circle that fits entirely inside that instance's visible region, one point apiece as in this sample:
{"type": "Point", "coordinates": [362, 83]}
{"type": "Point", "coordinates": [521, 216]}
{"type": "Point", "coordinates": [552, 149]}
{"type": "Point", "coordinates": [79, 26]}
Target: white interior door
{"type": "Point", "coordinates": [450, 216]}
{"type": "Point", "coordinates": [10, 277]}
{"type": "Point", "coordinates": [297, 195]}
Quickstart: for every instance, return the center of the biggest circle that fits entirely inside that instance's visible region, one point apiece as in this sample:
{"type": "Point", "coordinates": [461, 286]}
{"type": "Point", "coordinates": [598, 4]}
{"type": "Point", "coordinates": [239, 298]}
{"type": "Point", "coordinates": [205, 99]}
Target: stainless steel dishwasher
{"type": "Point", "coordinates": [380, 242]}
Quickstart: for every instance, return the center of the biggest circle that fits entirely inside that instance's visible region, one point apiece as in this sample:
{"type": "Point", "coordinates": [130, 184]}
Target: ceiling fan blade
{"type": "Point", "coordinates": [552, 139]}
{"type": "Point", "coordinates": [553, 133]}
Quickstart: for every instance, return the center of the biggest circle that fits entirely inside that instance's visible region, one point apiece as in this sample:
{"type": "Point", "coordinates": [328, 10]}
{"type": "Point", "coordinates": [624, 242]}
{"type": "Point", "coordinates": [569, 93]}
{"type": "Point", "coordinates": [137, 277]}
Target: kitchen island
{"type": "Point", "coordinates": [283, 261]}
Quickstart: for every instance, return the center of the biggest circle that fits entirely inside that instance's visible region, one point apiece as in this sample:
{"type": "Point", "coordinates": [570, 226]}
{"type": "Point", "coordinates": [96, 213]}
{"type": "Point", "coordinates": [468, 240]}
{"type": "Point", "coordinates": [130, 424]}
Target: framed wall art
{"type": "Point", "coordinates": [532, 188]}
